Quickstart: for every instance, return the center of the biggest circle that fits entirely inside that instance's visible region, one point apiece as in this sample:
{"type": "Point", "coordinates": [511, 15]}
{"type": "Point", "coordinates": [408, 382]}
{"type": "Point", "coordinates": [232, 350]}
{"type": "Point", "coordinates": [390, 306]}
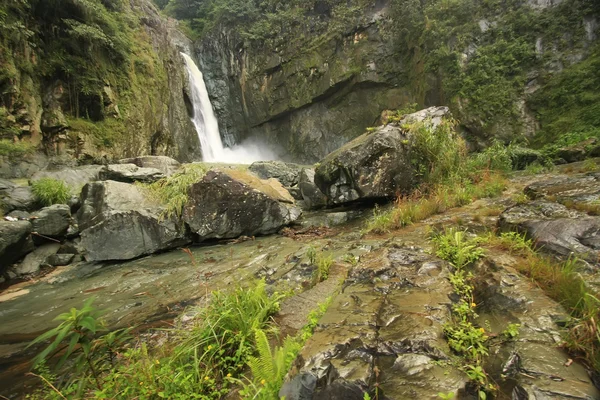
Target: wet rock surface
{"type": "Point", "coordinates": [385, 328]}
{"type": "Point", "coordinates": [375, 165]}
{"type": "Point", "coordinates": [228, 204]}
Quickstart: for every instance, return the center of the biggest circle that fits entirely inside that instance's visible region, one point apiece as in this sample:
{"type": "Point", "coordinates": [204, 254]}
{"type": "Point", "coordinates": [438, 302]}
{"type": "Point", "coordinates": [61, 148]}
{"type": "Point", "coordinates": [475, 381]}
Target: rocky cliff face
{"type": "Point", "coordinates": [319, 83]}
{"type": "Point", "coordinates": [118, 92]}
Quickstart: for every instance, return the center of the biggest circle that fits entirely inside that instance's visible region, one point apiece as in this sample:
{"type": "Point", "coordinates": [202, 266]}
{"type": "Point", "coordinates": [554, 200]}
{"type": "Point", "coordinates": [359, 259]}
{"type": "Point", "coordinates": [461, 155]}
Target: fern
{"type": "Point", "coordinates": [270, 367]}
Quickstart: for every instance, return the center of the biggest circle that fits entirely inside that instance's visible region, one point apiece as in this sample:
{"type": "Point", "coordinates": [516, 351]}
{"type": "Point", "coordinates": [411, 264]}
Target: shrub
{"type": "Point", "coordinates": [49, 191]}
{"type": "Point", "coordinates": [15, 149]}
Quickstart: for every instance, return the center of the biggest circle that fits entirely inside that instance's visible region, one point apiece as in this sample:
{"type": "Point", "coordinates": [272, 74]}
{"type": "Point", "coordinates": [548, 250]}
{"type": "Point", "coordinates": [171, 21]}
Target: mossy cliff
{"type": "Point", "coordinates": [92, 79]}
{"type": "Point", "coordinates": [310, 75]}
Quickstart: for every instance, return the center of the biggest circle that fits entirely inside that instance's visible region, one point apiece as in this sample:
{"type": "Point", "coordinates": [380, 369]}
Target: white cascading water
{"type": "Point", "coordinates": [208, 128]}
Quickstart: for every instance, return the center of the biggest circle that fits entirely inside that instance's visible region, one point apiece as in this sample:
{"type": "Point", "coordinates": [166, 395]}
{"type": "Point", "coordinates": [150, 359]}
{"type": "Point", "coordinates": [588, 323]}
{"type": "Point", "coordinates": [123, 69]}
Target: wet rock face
{"type": "Point", "coordinates": [15, 241]}
{"type": "Point", "coordinates": [374, 165]}
{"type": "Point", "coordinates": [118, 222]}
{"type": "Point", "coordinates": [386, 328]}
{"type": "Point", "coordinates": [234, 203]}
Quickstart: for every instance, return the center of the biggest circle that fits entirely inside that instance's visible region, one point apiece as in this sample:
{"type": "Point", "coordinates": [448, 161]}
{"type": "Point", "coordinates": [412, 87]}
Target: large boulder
{"type": "Point", "coordinates": [130, 173]}
{"type": "Point", "coordinates": [165, 164]}
{"type": "Point", "coordinates": [286, 173]}
{"type": "Point", "coordinates": [53, 221]}
{"type": "Point", "coordinates": [14, 197]}
{"type": "Point", "coordinates": [376, 164]}
{"type": "Point", "coordinates": [118, 222]}
{"type": "Point", "coordinates": [15, 241]}
{"type": "Point", "coordinates": [231, 203]}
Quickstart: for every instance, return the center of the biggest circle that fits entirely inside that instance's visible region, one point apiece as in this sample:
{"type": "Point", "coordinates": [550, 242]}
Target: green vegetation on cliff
{"type": "Point", "coordinates": [87, 62]}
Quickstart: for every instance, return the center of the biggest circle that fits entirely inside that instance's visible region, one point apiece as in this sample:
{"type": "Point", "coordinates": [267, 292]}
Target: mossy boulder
{"type": "Point", "coordinates": [375, 165]}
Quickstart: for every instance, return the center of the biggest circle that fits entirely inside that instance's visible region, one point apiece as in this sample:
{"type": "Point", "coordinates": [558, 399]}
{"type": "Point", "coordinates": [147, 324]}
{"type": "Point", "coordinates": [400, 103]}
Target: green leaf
{"type": "Point", "coordinates": [89, 323]}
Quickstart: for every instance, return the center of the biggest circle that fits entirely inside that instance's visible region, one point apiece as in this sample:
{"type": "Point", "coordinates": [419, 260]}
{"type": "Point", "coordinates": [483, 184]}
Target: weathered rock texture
{"type": "Point", "coordinates": [376, 164]}
{"type": "Point", "coordinates": [231, 203]}
{"type": "Point", "coordinates": [118, 222]}
{"type": "Point", "coordinates": [386, 327]}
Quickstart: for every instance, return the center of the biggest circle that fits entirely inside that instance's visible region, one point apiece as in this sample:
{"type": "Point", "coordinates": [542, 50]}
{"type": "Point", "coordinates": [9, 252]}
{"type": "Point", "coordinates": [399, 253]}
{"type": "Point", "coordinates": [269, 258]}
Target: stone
{"type": "Point", "coordinates": [75, 178]}
{"type": "Point", "coordinates": [165, 164]}
{"type": "Point", "coordinates": [286, 173]}
{"type": "Point", "coordinates": [118, 222]}
{"type": "Point", "coordinates": [53, 221]}
{"type": "Point", "coordinates": [130, 173]}
{"type": "Point", "coordinates": [60, 259]}
{"type": "Point", "coordinates": [15, 241]}
{"type": "Point", "coordinates": [35, 260]}
{"type": "Point", "coordinates": [231, 203]}
{"type": "Point", "coordinates": [329, 219]}
{"type": "Point", "coordinates": [311, 194]}
{"type": "Point", "coordinates": [14, 197]}
{"type": "Point", "coordinates": [375, 165]}
{"type": "Point", "coordinates": [555, 229]}
{"type": "Point", "coordinates": [22, 215]}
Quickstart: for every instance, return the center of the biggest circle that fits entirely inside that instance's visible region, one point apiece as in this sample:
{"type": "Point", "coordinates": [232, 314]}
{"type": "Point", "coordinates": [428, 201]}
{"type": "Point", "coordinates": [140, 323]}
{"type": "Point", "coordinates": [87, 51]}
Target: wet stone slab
{"type": "Point", "coordinates": [384, 330]}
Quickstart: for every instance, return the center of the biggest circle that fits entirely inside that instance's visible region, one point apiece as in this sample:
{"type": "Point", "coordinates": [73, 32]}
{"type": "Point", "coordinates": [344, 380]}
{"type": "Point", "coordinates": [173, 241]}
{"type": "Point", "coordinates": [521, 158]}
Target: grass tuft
{"type": "Point", "coordinates": [49, 191]}
{"type": "Point", "coordinates": [172, 191]}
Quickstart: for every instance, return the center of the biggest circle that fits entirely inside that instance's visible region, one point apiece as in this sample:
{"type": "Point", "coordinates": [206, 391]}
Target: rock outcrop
{"type": "Point", "coordinates": [53, 221]}
{"type": "Point", "coordinates": [118, 222]}
{"type": "Point", "coordinates": [164, 164]}
{"type": "Point", "coordinates": [14, 197]}
{"type": "Point", "coordinates": [375, 165]}
{"type": "Point", "coordinates": [231, 203]}
{"type": "Point", "coordinates": [130, 173]}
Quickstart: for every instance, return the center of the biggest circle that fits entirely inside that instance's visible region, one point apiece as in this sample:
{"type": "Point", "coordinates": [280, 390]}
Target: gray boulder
{"type": "Point", "coordinates": [15, 241]}
{"type": "Point", "coordinates": [130, 173]}
{"type": "Point", "coordinates": [53, 221]}
{"type": "Point", "coordinates": [311, 194]}
{"type": "Point", "coordinates": [34, 261]}
{"type": "Point", "coordinates": [14, 197]}
{"type": "Point", "coordinates": [165, 164]}
{"type": "Point", "coordinates": [376, 164]}
{"type": "Point", "coordinates": [228, 204]}
{"type": "Point", "coordinates": [118, 222]}
{"type": "Point", "coordinates": [286, 173]}
{"type": "Point", "coordinates": [555, 229]}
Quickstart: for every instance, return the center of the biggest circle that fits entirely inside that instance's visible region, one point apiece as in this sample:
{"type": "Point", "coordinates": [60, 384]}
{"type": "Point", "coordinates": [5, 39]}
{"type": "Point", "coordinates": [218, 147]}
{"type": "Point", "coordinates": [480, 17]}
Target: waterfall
{"type": "Point", "coordinates": [207, 126]}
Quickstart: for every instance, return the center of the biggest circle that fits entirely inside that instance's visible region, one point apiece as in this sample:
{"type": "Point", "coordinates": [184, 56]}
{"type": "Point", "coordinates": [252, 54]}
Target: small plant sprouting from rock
{"type": "Point", "coordinates": [49, 191]}
{"type": "Point", "coordinates": [511, 332]}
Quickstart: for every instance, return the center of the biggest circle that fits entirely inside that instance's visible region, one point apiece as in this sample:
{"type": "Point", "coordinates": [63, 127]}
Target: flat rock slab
{"type": "Point", "coordinates": [385, 328]}
{"type": "Point", "coordinates": [286, 173]}
{"type": "Point", "coordinates": [166, 165]}
{"type": "Point", "coordinates": [533, 363]}
{"type": "Point", "coordinates": [130, 173]}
